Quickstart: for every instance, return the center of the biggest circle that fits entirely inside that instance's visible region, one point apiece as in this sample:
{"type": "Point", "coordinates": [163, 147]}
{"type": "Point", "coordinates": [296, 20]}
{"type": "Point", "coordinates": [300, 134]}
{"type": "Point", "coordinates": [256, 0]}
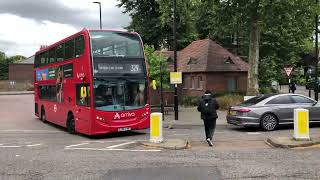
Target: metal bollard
{"type": "Point", "coordinates": [156, 128]}
{"type": "Point", "coordinates": [301, 124]}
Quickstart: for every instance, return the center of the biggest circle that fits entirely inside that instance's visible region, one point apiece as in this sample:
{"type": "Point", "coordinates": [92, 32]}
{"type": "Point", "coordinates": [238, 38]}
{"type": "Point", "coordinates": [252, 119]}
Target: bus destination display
{"type": "Point", "coordinates": [106, 68]}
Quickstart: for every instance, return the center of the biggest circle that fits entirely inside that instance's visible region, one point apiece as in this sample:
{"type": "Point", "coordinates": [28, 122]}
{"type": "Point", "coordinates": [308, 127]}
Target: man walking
{"type": "Point", "coordinates": [292, 86]}
{"type": "Point", "coordinates": [208, 106]}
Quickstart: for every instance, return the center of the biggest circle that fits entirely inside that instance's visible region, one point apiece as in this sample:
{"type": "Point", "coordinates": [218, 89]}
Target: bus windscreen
{"type": "Point", "coordinates": [115, 44]}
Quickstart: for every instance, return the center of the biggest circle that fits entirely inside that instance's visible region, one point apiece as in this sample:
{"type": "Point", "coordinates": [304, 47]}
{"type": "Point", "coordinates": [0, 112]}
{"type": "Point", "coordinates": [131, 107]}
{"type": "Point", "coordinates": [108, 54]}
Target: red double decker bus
{"type": "Point", "coordinates": [93, 82]}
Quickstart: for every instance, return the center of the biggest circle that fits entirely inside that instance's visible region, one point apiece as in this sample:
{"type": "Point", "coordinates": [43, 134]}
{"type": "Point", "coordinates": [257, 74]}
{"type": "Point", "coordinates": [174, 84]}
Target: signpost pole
{"type": "Point", "coordinates": [288, 71]}
{"type": "Point", "coordinates": [161, 92]}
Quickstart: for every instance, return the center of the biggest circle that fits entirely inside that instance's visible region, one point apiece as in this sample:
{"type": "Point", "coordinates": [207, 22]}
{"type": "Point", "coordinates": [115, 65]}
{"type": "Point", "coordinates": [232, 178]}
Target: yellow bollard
{"type": "Point", "coordinates": [156, 128]}
{"type": "Point", "coordinates": [301, 124]}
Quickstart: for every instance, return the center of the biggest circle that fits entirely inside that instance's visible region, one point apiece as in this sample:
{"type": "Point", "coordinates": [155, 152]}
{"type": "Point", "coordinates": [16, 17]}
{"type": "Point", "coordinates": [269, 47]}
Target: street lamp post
{"type": "Point", "coordinates": [96, 2]}
{"type": "Point", "coordinates": [316, 86]}
{"type": "Point", "coordinates": [175, 60]}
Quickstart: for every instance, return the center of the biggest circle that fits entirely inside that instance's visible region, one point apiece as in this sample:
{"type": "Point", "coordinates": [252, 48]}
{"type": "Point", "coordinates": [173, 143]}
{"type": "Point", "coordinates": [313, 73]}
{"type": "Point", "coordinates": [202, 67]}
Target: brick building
{"type": "Point", "coordinates": [206, 65]}
{"type": "Point", "coordinates": [22, 71]}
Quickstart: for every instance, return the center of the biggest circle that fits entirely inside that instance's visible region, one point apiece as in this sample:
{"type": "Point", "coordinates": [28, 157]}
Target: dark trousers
{"type": "Point", "coordinates": [209, 126]}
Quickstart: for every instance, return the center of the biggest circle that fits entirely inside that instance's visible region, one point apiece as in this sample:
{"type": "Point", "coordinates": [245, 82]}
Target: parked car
{"type": "Point", "coordinates": [270, 111]}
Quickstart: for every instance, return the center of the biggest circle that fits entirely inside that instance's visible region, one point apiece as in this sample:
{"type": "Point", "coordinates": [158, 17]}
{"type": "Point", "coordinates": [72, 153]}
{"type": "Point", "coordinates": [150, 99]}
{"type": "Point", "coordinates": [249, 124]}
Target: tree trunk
{"type": "Point", "coordinates": [253, 86]}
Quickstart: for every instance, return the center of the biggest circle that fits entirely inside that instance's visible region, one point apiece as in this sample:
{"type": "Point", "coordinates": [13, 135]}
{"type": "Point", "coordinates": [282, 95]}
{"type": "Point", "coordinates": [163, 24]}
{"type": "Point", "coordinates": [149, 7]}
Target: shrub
{"type": "Point", "coordinates": [225, 100]}
{"type": "Point", "coordinates": [228, 100]}
{"type": "Point", "coordinates": [190, 100]}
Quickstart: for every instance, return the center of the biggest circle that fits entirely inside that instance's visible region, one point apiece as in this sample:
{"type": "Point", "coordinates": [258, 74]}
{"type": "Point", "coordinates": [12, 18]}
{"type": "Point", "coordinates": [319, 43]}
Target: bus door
{"type": "Point", "coordinates": [83, 110]}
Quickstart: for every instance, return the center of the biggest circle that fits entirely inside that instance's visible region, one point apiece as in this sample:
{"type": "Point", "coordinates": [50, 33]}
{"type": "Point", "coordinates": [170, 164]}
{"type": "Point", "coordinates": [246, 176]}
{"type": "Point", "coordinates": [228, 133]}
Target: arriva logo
{"type": "Point", "coordinates": [125, 115]}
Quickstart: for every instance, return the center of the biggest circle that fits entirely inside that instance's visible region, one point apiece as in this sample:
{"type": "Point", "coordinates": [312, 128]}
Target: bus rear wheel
{"type": "Point", "coordinates": [71, 124]}
{"type": "Point", "coordinates": [43, 115]}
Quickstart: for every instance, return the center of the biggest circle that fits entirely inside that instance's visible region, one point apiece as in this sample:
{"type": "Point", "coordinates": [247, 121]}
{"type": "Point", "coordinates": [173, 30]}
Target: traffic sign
{"type": "Point", "coordinates": [288, 70]}
{"type": "Point", "coordinates": [175, 77]}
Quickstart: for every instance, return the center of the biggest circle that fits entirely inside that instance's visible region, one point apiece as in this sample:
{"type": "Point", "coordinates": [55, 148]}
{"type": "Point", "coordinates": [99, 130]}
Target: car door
{"type": "Point", "coordinates": [283, 107]}
{"type": "Point", "coordinates": [311, 105]}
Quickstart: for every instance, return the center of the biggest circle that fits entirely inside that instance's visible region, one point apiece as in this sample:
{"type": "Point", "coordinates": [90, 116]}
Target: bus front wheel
{"type": "Point", "coordinates": [71, 124]}
{"type": "Point", "coordinates": [43, 115]}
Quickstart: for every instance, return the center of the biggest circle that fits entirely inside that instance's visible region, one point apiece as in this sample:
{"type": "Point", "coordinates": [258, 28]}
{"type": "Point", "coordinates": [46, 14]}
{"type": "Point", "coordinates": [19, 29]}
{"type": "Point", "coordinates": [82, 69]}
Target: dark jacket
{"type": "Point", "coordinates": [205, 99]}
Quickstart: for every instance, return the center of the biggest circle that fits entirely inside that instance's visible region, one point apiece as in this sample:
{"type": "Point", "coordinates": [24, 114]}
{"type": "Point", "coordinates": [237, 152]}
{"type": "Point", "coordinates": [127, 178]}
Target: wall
{"type": "Point", "coordinates": [21, 72]}
{"type": "Point", "coordinates": [216, 82]}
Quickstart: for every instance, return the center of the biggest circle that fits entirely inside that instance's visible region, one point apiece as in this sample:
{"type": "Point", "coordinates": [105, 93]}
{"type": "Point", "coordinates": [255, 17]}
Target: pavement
{"type": "Point", "coordinates": [173, 144]}
{"type": "Point", "coordinates": [289, 142]}
{"type": "Point", "coordinates": [16, 92]}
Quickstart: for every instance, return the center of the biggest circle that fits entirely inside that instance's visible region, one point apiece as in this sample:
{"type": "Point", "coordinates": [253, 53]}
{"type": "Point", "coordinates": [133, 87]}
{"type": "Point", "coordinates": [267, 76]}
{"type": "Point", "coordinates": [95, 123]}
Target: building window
{"type": "Point", "coordinates": [192, 83]}
{"type": "Point", "coordinates": [232, 85]}
{"type": "Point", "coordinates": [185, 82]}
{"type": "Point", "coordinates": [200, 83]}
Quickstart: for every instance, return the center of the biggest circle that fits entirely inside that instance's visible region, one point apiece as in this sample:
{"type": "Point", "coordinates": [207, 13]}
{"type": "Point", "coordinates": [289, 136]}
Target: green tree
{"type": "Point", "coordinates": [274, 32]}
{"type": "Point", "coordinates": [152, 19]}
{"type": "Point", "coordinates": [154, 60]}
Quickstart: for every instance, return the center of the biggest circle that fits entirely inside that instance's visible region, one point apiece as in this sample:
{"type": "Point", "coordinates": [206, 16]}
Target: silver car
{"type": "Point", "coordinates": [270, 111]}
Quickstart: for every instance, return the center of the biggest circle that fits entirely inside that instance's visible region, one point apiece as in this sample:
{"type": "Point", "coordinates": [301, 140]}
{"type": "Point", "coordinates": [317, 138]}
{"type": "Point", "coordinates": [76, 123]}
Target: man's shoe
{"type": "Point", "coordinates": [209, 142]}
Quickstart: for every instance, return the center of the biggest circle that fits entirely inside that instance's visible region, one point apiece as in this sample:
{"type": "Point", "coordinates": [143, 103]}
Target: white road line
{"type": "Point", "coordinates": [122, 144]}
{"type": "Point", "coordinates": [10, 146]}
{"type": "Point", "coordinates": [114, 141]}
{"type": "Point", "coordinates": [105, 149]}
{"type": "Point", "coordinates": [1, 144]}
{"type": "Point", "coordinates": [75, 145]}
{"type": "Point", "coordinates": [33, 145]}
{"type": "Point", "coordinates": [253, 133]}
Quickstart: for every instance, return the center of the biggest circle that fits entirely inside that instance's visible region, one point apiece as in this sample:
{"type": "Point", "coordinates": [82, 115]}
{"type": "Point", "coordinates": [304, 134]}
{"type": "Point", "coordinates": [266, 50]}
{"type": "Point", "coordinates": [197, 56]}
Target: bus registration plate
{"type": "Point", "coordinates": [124, 129]}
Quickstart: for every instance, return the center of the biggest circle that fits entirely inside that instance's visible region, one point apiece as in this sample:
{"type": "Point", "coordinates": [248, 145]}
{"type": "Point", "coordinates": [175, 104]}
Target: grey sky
{"type": "Point", "coordinates": [73, 13]}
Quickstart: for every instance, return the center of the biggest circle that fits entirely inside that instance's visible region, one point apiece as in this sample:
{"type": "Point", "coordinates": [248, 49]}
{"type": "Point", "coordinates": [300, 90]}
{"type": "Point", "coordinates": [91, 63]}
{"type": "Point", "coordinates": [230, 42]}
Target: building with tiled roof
{"type": "Point", "coordinates": [206, 65]}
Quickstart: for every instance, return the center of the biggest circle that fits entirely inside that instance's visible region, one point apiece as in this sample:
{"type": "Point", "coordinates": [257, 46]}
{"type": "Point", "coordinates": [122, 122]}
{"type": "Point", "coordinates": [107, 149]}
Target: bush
{"type": "Point", "coordinates": [228, 100]}
{"type": "Point", "coordinates": [225, 100]}
{"type": "Point", "coordinates": [267, 90]}
{"type": "Point", "coordinates": [190, 100]}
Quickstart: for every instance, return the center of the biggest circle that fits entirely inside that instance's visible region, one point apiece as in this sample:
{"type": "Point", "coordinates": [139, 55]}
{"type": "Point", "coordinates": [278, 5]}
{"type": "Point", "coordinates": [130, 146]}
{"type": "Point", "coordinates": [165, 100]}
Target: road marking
{"type": "Point", "coordinates": [122, 144]}
{"type": "Point", "coordinates": [105, 149]}
{"type": "Point", "coordinates": [10, 146]}
{"type": "Point", "coordinates": [253, 133]}
{"type": "Point", "coordinates": [75, 145]}
{"type": "Point", "coordinates": [33, 145]}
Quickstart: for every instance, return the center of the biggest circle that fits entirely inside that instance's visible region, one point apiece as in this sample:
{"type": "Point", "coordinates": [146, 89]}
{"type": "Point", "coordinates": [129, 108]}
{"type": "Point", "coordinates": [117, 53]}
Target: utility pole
{"type": "Point", "coordinates": [175, 61]}
{"type": "Point", "coordinates": [316, 86]}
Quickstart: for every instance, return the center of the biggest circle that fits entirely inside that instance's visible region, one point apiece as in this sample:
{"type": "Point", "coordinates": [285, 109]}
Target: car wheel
{"type": "Point", "coordinates": [269, 122]}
